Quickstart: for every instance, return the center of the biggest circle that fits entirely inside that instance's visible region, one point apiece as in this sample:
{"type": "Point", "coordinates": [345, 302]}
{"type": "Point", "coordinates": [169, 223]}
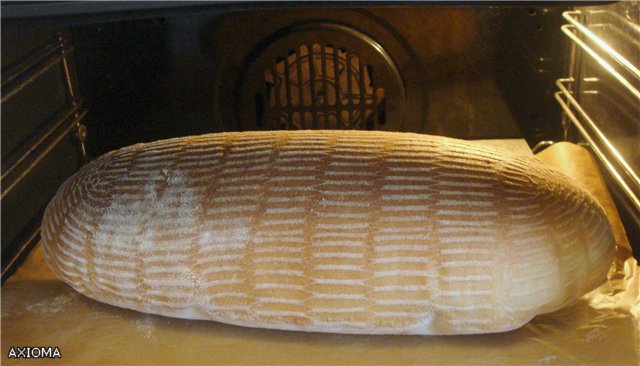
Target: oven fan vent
{"type": "Point", "coordinates": [320, 86]}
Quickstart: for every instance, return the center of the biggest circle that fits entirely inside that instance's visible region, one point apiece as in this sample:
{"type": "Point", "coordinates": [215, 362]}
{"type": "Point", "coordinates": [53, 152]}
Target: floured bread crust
{"type": "Point", "coordinates": [330, 231]}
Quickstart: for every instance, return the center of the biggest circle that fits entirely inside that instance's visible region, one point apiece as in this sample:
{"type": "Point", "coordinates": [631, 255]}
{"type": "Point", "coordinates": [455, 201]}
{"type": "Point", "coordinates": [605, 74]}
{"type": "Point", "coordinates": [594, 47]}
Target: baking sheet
{"type": "Point", "coordinates": [38, 310]}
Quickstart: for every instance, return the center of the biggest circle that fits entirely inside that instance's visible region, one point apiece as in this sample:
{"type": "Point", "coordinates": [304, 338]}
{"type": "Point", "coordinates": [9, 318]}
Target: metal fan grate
{"type": "Point", "coordinates": [320, 86]}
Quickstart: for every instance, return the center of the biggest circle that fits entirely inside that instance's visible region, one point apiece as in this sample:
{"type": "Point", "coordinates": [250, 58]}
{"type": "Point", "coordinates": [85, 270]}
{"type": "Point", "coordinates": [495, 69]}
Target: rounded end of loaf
{"type": "Point", "coordinates": [550, 241]}
{"type": "Point", "coordinates": [561, 247]}
{"type": "Point", "coordinates": [69, 221]}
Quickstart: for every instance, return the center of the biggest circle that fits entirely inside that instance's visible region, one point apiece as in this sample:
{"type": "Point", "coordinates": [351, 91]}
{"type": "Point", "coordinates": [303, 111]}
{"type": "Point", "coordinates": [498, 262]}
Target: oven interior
{"type": "Point", "coordinates": [82, 79]}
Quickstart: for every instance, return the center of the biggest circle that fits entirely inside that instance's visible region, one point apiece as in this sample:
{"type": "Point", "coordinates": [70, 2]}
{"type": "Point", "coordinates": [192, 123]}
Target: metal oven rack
{"type": "Point", "coordinates": [602, 93]}
{"type": "Point", "coordinates": [43, 133]}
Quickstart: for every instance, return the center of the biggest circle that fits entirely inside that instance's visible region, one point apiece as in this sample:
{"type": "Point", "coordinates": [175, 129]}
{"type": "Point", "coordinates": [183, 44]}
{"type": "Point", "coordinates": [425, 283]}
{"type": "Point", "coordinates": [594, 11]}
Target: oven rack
{"type": "Point", "coordinates": [627, 78]}
{"type": "Point", "coordinates": [43, 129]}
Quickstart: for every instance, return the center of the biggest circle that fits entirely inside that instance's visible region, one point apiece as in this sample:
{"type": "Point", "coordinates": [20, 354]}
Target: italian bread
{"type": "Point", "coordinates": [328, 231]}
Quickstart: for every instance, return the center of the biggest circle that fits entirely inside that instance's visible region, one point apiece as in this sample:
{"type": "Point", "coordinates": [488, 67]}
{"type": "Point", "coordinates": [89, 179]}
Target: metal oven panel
{"type": "Point", "coordinates": [41, 119]}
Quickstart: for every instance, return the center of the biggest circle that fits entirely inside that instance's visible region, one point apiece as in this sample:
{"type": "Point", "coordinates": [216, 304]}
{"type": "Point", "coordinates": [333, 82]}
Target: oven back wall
{"type": "Point", "coordinates": [453, 71]}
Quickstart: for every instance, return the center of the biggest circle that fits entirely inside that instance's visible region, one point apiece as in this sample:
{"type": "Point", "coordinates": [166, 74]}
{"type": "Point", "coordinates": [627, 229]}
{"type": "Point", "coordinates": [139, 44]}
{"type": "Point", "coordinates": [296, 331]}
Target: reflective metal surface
{"type": "Point", "coordinates": [602, 95]}
{"type": "Point", "coordinates": [603, 148]}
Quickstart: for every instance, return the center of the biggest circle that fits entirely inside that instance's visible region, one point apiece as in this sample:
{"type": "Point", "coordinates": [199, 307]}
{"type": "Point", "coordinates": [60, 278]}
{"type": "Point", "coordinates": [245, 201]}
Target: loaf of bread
{"type": "Point", "coordinates": [328, 231]}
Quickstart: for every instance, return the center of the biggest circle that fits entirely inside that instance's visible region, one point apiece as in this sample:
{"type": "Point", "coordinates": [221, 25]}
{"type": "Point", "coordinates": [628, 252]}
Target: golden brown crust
{"type": "Point", "coordinates": [337, 231]}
